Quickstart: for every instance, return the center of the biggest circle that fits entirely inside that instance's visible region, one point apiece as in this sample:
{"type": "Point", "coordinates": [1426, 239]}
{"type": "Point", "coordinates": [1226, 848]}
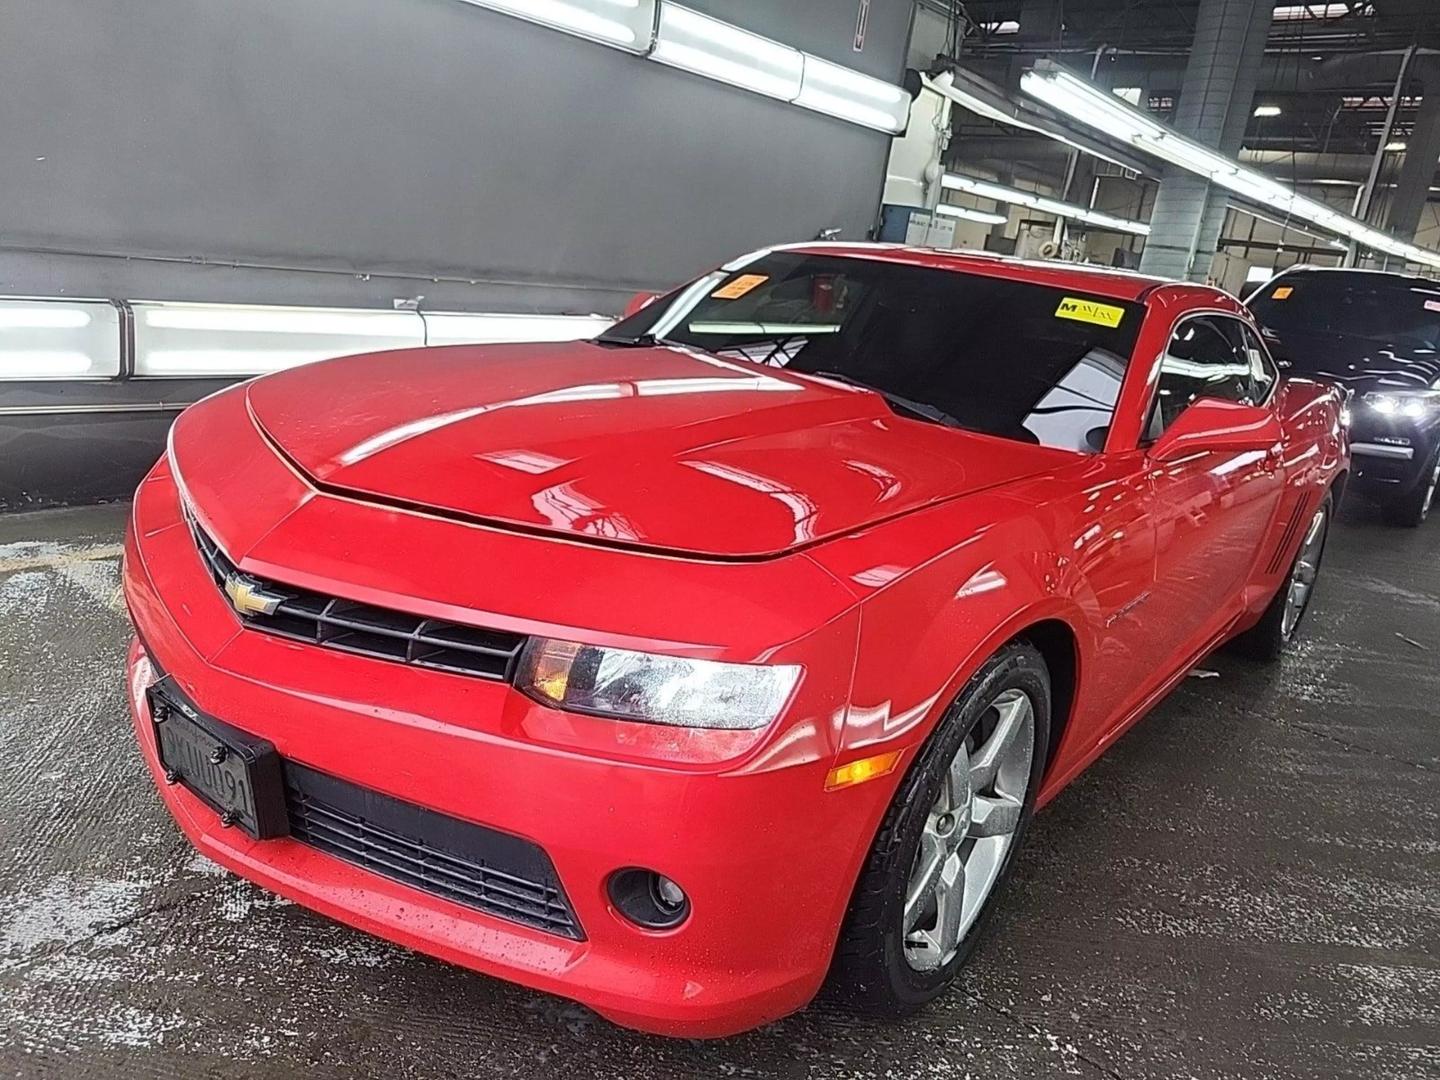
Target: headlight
{"type": "Point", "coordinates": [1411, 404]}
{"type": "Point", "coordinates": [654, 689]}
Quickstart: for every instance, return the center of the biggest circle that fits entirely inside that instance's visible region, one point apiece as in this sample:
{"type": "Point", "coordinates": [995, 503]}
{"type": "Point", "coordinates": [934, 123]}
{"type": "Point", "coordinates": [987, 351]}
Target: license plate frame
{"type": "Point", "coordinates": [237, 775]}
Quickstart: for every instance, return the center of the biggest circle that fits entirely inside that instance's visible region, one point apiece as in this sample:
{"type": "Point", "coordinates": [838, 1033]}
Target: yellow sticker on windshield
{"type": "Point", "coordinates": [1089, 311]}
{"type": "Point", "coordinates": [1282, 293]}
{"type": "Point", "coordinates": [739, 287]}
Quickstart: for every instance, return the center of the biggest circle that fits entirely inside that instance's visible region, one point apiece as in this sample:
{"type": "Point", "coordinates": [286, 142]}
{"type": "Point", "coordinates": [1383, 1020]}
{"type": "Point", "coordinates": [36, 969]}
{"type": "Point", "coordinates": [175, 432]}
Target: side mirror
{"type": "Point", "coordinates": [638, 303]}
{"type": "Point", "coordinates": [1214, 425]}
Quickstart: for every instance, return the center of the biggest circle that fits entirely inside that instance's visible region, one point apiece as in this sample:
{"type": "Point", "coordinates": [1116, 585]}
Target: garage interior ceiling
{"type": "Point", "coordinates": [1083, 100]}
{"type": "Point", "coordinates": [1324, 93]}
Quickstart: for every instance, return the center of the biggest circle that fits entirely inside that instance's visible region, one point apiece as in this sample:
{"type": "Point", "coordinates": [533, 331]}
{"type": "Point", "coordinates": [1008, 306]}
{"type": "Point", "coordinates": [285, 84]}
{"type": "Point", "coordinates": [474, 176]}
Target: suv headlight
{"type": "Point", "coordinates": [1411, 404]}
{"type": "Point", "coordinates": [654, 689]}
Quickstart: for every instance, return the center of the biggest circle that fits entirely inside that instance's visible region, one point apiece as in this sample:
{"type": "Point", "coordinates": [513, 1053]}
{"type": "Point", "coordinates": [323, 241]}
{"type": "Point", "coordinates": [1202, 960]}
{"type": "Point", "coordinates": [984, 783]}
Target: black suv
{"type": "Point", "coordinates": [1377, 335]}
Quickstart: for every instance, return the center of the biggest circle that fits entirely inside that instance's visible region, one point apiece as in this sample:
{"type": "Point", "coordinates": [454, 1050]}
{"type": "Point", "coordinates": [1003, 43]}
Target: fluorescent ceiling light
{"type": "Point", "coordinates": [706, 46]}
{"type": "Point", "coordinates": [986, 189]}
{"type": "Point", "coordinates": [1396, 145]}
{"type": "Point", "coordinates": [176, 340]}
{"type": "Point", "coordinates": [945, 85]}
{"type": "Point", "coordinates": [225, 362]}
{"type": "Point", "coordinates": [43, 317]}
{"type": "Point", "coordinates": [687, 39]}
{"type": "Point", "coordinates": [1090, 104]}
{"type": "Point", "coordinates": [247, 319]}
{"type": "Point", "coordinates": [1261, 110]}
{"type": "Point", "coordinates": [626, 24]}
{"type": "Point", "coordinates": [59, 339]}
{"type": "Point", "coordinates": [42, 364]}
{"type": "Point", "coordinates": [850, 95]}
{"type": "Point", "coordinates": [969, 214]}
{"type": "Point", "coordinates": [467, 328]}
{"type": "Point", "coordinates": [1007, 26]}
{"type": "Point", "coordinates": [1285, 225]}
{"type": "Point", "coordinates": [703, 45]}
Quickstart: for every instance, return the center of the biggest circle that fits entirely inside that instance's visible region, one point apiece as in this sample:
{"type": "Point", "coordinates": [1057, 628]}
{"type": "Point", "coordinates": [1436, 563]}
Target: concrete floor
{"type": "Point", "coordinates": [1248, 885]}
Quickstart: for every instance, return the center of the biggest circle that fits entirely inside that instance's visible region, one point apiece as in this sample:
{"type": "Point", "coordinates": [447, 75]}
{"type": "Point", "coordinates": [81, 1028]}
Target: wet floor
{"type": "Point", "coordinates": [1247, 885]}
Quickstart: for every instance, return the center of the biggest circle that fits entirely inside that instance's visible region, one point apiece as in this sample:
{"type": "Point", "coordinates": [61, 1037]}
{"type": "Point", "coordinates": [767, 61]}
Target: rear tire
{"type": "Point", "coordinates": [909, 930]}
{"type": "Point", "coordinates": [1280, 624]}
{"type": "Point", "coordinates": [1413, 509]}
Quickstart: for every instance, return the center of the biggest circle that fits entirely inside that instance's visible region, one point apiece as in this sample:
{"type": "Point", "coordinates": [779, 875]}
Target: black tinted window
{"type": "Point", "coordinates": [1205, 358]}
{"type": "Point", "coordinates": [1262, 369]}
{"type": "Point", "coordinates": [1383, 308]}
{"type": "Point", "coordinates": [1005, 357]}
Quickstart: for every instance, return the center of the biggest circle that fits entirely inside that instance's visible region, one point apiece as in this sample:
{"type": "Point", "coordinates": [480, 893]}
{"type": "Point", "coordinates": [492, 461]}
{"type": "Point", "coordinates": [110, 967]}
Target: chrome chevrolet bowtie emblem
{"type": "Point", "coordinates": [248, 597]}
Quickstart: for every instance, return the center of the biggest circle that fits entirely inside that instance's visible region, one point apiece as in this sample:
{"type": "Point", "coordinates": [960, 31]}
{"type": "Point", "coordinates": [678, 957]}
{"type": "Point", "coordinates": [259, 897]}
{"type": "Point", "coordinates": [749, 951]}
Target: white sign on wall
{"type": "Point", "coordinates": [930, 230]}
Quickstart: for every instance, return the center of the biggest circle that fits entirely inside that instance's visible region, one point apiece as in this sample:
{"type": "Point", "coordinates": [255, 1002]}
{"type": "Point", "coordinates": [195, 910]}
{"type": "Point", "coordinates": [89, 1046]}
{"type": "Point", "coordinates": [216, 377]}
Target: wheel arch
{"type": "Point", "coordinates": [1059, 647]}
{"type": "Point", "coordinates": [1337, 486]}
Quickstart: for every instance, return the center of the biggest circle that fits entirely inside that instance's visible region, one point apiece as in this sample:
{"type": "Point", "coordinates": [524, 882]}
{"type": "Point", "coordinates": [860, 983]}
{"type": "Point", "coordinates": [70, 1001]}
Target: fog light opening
{"type": "Point", "coordinates": [648, 899]}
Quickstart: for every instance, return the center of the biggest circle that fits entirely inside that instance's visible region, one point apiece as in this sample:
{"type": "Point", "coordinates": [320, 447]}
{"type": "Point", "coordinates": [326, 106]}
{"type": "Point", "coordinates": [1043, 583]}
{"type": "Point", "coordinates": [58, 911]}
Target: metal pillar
{"type": "Point", "coordinates": [1367, 193]}
{"type": "Point", "coordinates": [1213, 108]}
{"type": "Point", "coordinates": [1072, 167]}
{"type": "Point", "coordinates": [1418, 171]}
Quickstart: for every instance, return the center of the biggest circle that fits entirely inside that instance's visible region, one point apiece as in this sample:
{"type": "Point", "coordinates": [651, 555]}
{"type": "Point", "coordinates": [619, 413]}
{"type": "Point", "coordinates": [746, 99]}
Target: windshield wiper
{"type": "Point", "coordinates": [908, 405]}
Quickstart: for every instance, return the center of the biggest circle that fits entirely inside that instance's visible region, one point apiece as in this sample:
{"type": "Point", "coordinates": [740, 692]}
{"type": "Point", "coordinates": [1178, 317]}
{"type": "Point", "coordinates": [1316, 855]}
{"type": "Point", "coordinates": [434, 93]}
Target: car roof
{"type": "Point", "coordinates": [1353, 271]}
{"type": "Point", "coordinates": [1099, 280]}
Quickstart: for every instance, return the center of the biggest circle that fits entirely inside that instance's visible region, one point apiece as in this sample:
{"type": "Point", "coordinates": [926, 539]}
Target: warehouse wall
{"type": "Point", "coordinates": [409, 137]}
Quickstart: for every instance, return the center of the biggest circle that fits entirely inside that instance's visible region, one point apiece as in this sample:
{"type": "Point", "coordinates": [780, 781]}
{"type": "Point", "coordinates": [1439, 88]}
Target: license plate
{"type": "Point", "coordinates": [236, 774]}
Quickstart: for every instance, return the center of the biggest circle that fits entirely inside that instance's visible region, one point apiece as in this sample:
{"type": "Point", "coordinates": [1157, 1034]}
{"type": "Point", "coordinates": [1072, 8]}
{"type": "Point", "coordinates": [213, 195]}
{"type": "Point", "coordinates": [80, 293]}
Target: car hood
{"type": "Point", "coordinates": [1360, 363]}
{"type": "Point", "coordinates": [657, 448]}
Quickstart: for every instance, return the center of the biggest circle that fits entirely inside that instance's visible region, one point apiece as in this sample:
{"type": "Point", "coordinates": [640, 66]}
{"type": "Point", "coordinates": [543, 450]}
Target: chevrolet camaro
{"type": "Point", "coordinates": [679, 669]}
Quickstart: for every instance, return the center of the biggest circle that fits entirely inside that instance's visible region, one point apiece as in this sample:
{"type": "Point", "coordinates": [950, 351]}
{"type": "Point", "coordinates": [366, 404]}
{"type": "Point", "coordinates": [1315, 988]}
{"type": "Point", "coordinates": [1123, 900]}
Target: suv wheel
{"type": "Point", "coordinates": [1412, 509]}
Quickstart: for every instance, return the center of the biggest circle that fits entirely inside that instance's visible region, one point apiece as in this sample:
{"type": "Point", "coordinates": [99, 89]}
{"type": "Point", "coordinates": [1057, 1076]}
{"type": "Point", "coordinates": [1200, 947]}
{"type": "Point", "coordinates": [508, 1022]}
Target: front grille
{"type": "Point", "coordinates": [468, 864]}
{"type": "Point", "coordinates": [381, 632]}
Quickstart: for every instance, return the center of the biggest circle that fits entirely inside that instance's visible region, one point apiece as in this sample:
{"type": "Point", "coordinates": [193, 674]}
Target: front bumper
{"type": "Point", "coordinates": [767, 857]}
{"type": "Point", "coordinates": [1391, 455]}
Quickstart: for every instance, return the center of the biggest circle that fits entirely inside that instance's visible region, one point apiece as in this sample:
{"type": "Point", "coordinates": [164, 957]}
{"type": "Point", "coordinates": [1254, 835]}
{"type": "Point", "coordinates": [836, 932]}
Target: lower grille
{"type": "Point", "coordinates": [468, 864]}
{"type": "Point", "coordinates": [354, 627]}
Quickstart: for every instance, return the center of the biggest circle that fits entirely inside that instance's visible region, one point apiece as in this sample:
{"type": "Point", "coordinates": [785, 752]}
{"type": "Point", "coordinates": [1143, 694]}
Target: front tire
{"type": "Point", "coordinates": [948, 841]}
{"type": "Point", "coordinates": [1411, 510]}
{"type": "Point", "coordinates": [1280, 624]}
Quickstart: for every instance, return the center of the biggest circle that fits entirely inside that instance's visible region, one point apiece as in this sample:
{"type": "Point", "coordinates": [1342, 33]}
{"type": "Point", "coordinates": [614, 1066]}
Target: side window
{"type": "Point", "coordinates": [1263, 371]}
{"type": "Point", "coordinates": [1205, 358]}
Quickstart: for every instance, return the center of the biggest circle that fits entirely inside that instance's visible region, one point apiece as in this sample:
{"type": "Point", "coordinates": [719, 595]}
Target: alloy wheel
{"type": "Point", "coordinates": [969, 831]}
{"type": "Point", "coordinates": [1302, 577]}
{"type": "Point", "coordinates": [1430, 491]}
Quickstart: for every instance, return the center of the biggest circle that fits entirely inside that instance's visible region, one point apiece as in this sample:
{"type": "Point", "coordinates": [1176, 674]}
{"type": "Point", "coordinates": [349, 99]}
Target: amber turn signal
{"type": "Point", "coordinates": [857, 772]}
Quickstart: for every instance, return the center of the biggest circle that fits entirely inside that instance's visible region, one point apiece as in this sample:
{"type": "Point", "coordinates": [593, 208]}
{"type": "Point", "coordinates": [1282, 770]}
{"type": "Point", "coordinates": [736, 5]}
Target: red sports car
{"type": "Point", "coordinates": [673, 670]}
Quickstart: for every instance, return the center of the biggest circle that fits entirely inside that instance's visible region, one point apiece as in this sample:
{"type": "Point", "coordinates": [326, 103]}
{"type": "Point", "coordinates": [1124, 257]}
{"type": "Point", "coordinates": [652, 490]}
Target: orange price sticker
{"type": "Point", "coordinates": [733, 290]}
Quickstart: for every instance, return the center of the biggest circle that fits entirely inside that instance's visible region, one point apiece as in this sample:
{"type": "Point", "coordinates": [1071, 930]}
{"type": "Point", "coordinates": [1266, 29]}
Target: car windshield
{"type": "Point", "coordinates": [1390, 310]}
{"type": "Point", "coordinates": [990, 354]}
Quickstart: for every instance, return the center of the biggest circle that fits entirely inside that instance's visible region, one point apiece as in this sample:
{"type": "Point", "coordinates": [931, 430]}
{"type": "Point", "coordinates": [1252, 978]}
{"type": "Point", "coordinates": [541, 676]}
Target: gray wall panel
{"type": "Point", "coordinates": [414, 136]}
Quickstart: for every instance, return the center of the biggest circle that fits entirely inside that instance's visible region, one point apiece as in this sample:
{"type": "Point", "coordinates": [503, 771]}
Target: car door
{"type": "Point", "coordinates": [1212, 511]}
